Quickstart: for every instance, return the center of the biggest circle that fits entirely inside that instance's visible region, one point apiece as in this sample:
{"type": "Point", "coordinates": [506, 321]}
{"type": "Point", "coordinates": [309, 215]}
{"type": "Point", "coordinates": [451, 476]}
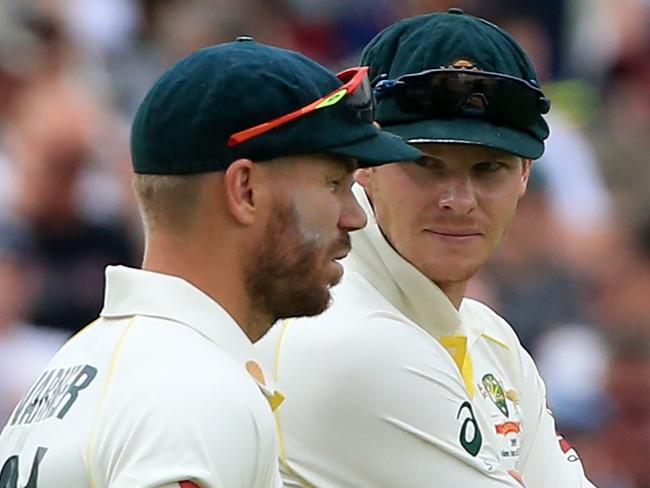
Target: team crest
{"type": "Point", "coordinates": [462, 63]}
{"type": "Point", "coordinates": [495, 391]}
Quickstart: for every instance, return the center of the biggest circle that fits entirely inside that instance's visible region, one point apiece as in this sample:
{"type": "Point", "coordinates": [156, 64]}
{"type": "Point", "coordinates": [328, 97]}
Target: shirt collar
{"type": "Point", "coordinates": [412, 293]}
{"type": "Point", "coordinates": [132, 291]}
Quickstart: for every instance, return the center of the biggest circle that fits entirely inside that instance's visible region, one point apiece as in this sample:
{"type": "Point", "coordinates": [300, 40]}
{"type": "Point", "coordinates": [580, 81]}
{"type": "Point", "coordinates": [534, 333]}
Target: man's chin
{"type": "Point", "coordinates": [450, 273]}
{"type": "Point", "coordinates": [318, 306]}
{"type": "Point", "coordinates": [315, 311]}
{"type": "Point", "coordinates": [307, 303]}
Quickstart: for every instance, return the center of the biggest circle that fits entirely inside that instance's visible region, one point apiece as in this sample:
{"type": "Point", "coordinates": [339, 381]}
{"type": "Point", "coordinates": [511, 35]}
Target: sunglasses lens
{"type": "Point", "coordinates": [447, 94]}
{"type": "Point", "coordinates": [515, 103]}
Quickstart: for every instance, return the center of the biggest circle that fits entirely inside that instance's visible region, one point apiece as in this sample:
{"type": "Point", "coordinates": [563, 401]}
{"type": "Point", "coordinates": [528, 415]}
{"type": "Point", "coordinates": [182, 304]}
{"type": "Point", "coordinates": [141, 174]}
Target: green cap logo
{"type": "Point", "coordinates": [495, 392]}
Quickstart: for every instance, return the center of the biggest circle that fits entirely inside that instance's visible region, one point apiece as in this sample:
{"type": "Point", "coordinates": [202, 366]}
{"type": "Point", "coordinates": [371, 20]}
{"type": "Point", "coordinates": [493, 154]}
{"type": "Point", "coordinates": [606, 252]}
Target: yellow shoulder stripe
{"type": "Point", "coordinates": [495, 340]}
{"type": "Point", "coordinates": [100, 410]}
{"type": "Point", "coordinates": [278, 424]}
{"type": "Point", "coordinates": [86, 328]}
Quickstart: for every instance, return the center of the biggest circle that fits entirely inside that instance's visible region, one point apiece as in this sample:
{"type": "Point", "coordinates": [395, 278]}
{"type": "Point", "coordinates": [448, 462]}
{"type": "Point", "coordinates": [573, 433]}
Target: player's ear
{"type": "Point", "coordinates": [239, 190]}
{"type": "Point", "coordinates": [526, 166]}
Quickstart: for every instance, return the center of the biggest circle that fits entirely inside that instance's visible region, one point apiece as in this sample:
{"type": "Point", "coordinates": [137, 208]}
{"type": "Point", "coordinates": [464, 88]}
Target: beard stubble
{"type": "Point", "coordinates": [286, 276]}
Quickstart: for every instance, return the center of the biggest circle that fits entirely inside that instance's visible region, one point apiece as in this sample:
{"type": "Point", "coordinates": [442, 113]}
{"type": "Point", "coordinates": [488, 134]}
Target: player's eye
{"type": "Point", "coordinates": [430, 163]}
{"type": "Point", "coordinates": [489, 166]}
{"type": "Point", "coordinates": [334, 183]}
{"type": "Point", "coordinates": [340, 181]}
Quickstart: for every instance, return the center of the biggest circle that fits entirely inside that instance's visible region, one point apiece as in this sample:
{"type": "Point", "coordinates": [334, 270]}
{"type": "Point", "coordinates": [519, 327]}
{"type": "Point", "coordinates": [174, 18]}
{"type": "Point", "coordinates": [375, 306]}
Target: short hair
{"type": "Point", "coordinates": [168, 202]}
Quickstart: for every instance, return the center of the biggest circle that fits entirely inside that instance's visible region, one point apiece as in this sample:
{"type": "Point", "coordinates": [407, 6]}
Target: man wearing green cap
{"type": "Point", "coordinates": [243, 155]}
{"type": "Point", "coordinates": [404, 382]}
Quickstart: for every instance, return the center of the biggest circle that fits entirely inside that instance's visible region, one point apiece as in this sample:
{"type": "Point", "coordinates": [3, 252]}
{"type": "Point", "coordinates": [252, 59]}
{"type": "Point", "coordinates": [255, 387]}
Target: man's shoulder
{"type": "Point", "coordinates": [356, 306]}
{"type": "Point", "coordinates": [355, 342]}
{"type": "Point", "coordinates": [180, 387]}
{"type": "Point", "coordinates": [359, 314]}
{"type": "Point", "coordinates": [178, 403]}
{"type": "Point", "coordinates": [480, 316]}
{"type": "Point", "coordinates": [173, 343]}
{"type": "Point", "coordinates": [176, 363]}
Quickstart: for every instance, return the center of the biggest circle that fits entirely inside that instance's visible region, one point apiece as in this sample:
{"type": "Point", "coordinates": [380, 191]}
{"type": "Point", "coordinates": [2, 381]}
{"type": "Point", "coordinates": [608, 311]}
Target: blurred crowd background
{"type": "Point", "coordinates": [573, 276]}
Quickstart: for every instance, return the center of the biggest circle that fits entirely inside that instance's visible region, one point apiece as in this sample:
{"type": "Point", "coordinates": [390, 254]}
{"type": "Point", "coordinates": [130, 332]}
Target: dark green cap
{"type": "Point", "coordinates": [183, 124]}
{"type": "Point", "coordinates": [452, 40]}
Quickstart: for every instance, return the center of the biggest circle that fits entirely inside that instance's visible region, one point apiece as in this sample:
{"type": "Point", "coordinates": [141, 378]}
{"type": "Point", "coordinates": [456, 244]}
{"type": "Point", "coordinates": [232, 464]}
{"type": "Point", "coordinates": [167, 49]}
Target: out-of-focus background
{"type": "Point", "coordinates": [573, 276]}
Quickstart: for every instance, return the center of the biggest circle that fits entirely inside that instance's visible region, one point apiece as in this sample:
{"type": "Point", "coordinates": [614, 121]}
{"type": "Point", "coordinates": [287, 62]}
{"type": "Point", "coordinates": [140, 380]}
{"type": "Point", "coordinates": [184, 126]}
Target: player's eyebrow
{"type": "Point", "coordinates": [427, 159]}
{"type": "Point", "coordinates": [351, 164]}
{"type": "Point", "coordinates": [345, 164]}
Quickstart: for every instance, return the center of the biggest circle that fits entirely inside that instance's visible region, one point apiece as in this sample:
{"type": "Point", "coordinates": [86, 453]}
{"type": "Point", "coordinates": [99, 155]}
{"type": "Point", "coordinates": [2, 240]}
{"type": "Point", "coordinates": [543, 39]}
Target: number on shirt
{"type": "Point", "coordinates": [9, 472]}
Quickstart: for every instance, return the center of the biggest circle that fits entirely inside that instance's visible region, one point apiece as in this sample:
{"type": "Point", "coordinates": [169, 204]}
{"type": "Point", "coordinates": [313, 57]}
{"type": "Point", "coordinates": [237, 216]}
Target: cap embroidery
{"type": "Point", "coordinates": [462, 63]}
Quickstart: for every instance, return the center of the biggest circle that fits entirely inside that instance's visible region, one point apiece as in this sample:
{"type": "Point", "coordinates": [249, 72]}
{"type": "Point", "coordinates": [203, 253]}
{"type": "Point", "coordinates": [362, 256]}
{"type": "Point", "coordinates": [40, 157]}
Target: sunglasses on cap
{"type": "Point", "coordinates": [355, 93]}
{"type": "Point", "coordinates": [446, 93]}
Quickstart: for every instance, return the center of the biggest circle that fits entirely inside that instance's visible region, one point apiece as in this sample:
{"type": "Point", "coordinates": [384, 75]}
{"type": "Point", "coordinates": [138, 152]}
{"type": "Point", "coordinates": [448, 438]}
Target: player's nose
{"type": "Point", "coordinates": [352, 215]}
{"type": "Point", "coordinates": [459, 195]}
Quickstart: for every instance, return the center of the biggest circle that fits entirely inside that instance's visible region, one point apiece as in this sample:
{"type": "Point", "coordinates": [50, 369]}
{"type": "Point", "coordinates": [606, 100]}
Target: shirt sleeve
{"type": "Point", "coordinates": [547, 459]}
{"type": "Point", "coordinates": [380, 413]}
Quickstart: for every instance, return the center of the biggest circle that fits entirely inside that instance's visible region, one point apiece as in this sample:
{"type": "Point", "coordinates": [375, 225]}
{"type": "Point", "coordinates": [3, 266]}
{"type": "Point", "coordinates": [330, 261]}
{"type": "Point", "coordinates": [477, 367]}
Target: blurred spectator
{"type": "Point", "coordinates": [574, 361]}
{"type": "Point", "coordinates": [18, 49]}
{"type": "Point", "coordinates": [533, 289]}
{"type": "Point", "coordinates": [102, 27]}
{"type": "Point", "coordinates": [622, 130]}
{"type": "Point", "coordinates": [578, 195]}
{"type": "Point", "coordinates": [53, 140]}
{"type": "Point", "coordinates": [627, 437]}
{"type": "Point", "coordinates": [171, 29]}
{"type": "Point", "coordinates": [24, 348]}
{"type": "Point", "coordinates": [603, 30]}
{"type": "Point", "coordinates": [49, 154]}
{"type": "Point", "coordinates": [574, 182]}
{"type": "Point", "coordinates": [620, 299]}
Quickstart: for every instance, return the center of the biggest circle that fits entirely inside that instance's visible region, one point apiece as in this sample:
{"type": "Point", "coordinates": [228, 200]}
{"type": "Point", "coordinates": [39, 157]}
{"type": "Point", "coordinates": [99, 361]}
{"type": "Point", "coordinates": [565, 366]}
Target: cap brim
{"type": "Point", "coordinates": [376, 150]}
{"type": "Point", "coordinates": [469, 131]}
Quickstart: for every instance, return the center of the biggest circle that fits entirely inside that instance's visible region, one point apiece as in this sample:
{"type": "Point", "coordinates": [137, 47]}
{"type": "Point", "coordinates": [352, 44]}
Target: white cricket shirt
{"type": "Point", "coordinates": [155, 392]}
{"type": "Point", "coordinates": [392, 387]}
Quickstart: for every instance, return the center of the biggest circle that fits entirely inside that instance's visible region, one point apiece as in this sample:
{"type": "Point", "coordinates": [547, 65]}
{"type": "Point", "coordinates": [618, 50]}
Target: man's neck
{"type": "Point", "coordinates": [220, 279]}
{"type": "Point", "coordinates": [455, 291]}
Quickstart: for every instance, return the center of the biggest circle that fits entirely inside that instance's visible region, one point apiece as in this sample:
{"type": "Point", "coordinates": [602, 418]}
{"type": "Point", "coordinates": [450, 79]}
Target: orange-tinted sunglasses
{"type": "Point", "coordinates": [356, 93]}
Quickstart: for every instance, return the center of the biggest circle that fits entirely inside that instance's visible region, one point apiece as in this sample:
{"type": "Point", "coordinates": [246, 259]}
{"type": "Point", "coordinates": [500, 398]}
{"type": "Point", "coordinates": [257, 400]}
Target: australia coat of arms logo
{"type": "Point", "coordinates": [495, 391]}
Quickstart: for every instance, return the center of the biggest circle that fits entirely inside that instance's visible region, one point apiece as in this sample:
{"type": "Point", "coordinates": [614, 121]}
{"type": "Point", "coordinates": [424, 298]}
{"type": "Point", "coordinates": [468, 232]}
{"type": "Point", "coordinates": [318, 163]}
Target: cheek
{"type": "Point", "coordinates": [318, 212]}
{"type": "Point", "coordinates": [500, 209]}
{"type": "Point", "coordinates": [397, 207]}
